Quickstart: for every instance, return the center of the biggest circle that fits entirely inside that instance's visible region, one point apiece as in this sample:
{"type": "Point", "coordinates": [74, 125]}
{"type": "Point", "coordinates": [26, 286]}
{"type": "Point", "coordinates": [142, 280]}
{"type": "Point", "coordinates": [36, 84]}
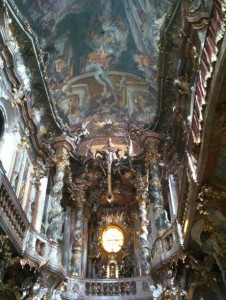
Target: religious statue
{"type": "Point", "coordinates": [54, 230]}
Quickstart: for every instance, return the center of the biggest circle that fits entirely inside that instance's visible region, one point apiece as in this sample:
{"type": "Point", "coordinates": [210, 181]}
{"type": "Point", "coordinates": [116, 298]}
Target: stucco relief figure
{"type": "Point", "coordinates": [214, 242]}
{"type": "Point", "coordinates": [57, 293]}
{"type": "Point", "coordinates": [54, 230]}
{"type": "Point", "coordinates": [38, 292]}
{"type": "Point", "coordinates": [76, 256]}
{"type": "Point", "coordinates": [168, 242]}
{"type": "Point", "coordinates": [161, 218]}
{"type": "Point", "coordinates": [94, 250]}
{"type": "Point", "coordinates": [155, 291]}
{"type": "Point", "coordinates": [182, 86]}
{"type": "Point", "coordinates": [101, 272]}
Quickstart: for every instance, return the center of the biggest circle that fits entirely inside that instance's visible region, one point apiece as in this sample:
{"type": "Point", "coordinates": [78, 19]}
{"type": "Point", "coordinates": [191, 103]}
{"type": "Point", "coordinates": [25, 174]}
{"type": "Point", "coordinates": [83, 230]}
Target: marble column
{"type": "Point", "coordinates": [67, 238]}
{"type": "Point", "coordinates": [155, 191]}
{"type": "Point", "coordinates": [173, 197]}
{"type": "Point", "coordinates": [142, 199]}
{"type": "Point", "coordinates": [77, 255]}
{"type": "Point", "coordinates": [56, 215]}
{"type": "Point", "coordinates": [39, 203]}
{"type": "Point", "coordinates": [85, 245]}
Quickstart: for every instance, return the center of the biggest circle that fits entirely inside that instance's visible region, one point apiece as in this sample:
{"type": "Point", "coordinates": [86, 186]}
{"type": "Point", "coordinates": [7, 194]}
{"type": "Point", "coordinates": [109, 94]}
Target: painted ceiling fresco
{"type": "Point", "coordinates": [101, 57]}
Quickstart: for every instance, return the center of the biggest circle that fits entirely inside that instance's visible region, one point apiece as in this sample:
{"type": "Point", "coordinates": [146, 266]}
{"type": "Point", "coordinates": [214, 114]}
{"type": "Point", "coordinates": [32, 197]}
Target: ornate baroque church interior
{"type": "Point", "coordinates": [113, 149]}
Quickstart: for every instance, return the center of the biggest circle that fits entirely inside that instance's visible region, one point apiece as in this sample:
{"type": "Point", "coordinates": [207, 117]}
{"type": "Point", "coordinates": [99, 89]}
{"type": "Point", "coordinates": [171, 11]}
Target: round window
{"type": "Point", "coordinates": [112, 239]}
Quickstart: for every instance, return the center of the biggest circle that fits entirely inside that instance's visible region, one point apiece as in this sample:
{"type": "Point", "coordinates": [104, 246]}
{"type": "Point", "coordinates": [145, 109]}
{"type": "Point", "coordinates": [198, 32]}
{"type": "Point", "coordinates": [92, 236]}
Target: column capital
{"type": "Point", "coordinates": [151, 141]}
{"type": "Point", "coordinates": [63, 142]}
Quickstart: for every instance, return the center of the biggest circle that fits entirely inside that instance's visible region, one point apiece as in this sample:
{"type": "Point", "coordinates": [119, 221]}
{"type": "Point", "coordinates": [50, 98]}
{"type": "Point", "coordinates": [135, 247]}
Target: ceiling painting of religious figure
{"type": "Point", "coordinates": [101, 57]}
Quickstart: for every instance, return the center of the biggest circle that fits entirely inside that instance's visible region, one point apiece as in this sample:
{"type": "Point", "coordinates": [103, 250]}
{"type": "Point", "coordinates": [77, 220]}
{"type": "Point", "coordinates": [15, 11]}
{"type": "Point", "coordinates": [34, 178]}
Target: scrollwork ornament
{"type": "Point", "coordinates": [18, 96]}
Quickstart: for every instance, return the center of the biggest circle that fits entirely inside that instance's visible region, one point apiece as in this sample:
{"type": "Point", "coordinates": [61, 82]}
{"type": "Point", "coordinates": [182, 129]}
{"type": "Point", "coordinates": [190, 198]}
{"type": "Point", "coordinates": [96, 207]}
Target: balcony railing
{"type": "Point", "coordinates": [13, 219]}
{"type": "Point", "coordinates": [166, 246]}
{"type": "Point", "coordinates": [36, 249]}
{"type": "Point", "coordinates": [115, 289]}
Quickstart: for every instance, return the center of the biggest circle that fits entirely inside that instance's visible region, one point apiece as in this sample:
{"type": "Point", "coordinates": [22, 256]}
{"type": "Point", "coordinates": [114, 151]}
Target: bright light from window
{"type": "Point", "coordinates": [112, 239]}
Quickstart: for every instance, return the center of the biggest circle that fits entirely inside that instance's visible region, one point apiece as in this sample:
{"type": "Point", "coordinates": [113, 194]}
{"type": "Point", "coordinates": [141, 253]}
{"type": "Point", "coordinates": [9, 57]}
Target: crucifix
{"type": "Point", "coordinates": [110, 153]}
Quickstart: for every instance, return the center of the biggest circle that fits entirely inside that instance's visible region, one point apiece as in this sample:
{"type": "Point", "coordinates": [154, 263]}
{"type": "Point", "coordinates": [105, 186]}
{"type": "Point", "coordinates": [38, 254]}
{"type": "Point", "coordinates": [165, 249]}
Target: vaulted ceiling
{"type": "Point", "coordinates": [101, 60]}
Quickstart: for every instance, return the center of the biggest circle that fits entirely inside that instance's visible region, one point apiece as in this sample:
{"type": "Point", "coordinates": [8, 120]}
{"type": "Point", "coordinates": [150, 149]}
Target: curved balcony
{"type": "Point", "coordinates": [36, 249]}
{"type": "Point", "coordinates": [167, 246]}
{"type": "Point", "coordinates": [12, 217]}
{"type": "Point", "coordinates": [114, 289]}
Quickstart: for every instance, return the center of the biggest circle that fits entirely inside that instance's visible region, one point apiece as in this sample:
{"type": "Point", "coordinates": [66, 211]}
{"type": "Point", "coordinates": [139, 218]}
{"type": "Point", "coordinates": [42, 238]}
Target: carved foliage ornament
{"type": "Point", "coordinates": [209, 196]}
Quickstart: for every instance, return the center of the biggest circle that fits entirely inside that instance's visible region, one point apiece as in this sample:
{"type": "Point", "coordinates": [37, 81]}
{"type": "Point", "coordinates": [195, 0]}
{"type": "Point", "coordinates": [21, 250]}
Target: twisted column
{"type": "Point", "coordinates": [155, 191]}
{"type": "Point", "coordinates": [56, 215]}
{"type": "Point", "coordinates": [76, 258]}
{"type": "Point", "coordinates": [142, 199]}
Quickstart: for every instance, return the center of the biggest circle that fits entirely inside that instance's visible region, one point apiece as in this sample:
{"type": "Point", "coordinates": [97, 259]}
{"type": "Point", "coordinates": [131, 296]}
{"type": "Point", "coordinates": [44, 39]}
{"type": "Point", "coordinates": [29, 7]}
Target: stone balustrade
{"type": "Point", "coordinates": [110, 289]}
{"type": "Point", "coordinates": [12, 216]}
{"type": "Point", "coordinates": [166, 246]}
{"type": "Point", "coordinates": [114, 289]}
{"type": "Point", "coordinates": [42, 251]}
{"type": "Point", "coordinates": [28, 241]}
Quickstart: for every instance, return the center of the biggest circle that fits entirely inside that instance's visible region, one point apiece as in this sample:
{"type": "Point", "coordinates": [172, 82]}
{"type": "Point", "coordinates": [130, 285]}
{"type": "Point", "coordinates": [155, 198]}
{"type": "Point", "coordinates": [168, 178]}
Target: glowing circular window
{"type": "Point", "coordinates": [112, 239]}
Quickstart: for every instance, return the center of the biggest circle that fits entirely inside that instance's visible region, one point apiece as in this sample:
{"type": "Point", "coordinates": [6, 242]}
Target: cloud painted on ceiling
{"type": "Point", "coordinates": [86, 37]}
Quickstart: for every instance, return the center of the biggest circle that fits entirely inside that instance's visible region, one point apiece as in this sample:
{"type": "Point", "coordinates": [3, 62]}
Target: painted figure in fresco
{"type": "Point", "coordinates": [48, 13]}
{"type": "Point", "coordinates": [109, 32]}
{"type": "Point", "coordinates": [74, 110]}
{"type": "Point", "coordinates": [98, 62]}
{"type": "Point", "coordinates": [59, 65]}
{"type": "Point", "coordinates": [148, 66]}
{"type": "Point", "coordinates": [108, 39]}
